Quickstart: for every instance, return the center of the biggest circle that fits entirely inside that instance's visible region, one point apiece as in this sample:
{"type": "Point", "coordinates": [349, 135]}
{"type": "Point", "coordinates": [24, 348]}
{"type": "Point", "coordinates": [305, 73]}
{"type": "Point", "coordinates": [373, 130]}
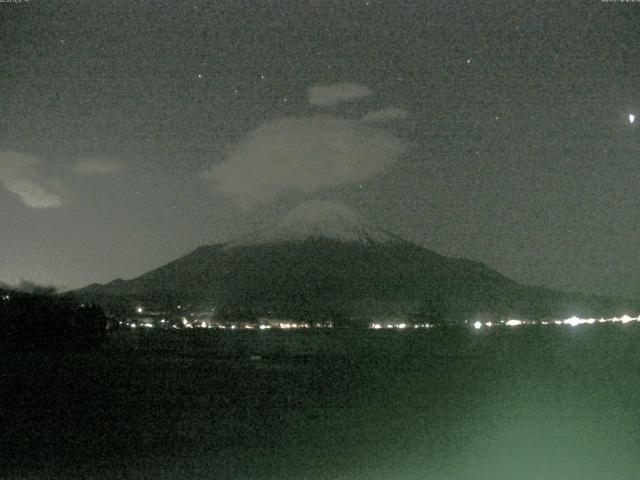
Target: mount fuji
{"type": "Point", "coordinates": [324, 261]}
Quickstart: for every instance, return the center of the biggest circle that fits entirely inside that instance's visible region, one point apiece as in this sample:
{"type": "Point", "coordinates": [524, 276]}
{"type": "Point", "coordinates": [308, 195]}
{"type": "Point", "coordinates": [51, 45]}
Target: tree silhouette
{"type": "Point", "coordinates": [44, 320]}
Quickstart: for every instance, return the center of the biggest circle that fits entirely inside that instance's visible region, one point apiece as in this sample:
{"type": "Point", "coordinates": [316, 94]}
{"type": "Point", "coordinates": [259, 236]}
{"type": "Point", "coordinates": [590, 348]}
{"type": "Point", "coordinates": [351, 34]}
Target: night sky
{"type": "Point", "coordinates": [132, 132]}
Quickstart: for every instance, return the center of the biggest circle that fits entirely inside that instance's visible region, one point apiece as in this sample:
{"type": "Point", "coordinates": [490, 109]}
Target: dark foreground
{"type": "Point", "coordinates": [518, 404]}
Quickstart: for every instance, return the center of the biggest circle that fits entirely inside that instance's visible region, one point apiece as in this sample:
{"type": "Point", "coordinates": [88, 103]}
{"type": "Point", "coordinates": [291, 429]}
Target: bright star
{"type": "Point", "coordinates": [632, 118]}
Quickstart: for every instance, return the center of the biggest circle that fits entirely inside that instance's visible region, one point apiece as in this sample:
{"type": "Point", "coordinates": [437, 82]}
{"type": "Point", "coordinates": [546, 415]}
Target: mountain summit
{"type": "Point", "coordinates": [320, 219]}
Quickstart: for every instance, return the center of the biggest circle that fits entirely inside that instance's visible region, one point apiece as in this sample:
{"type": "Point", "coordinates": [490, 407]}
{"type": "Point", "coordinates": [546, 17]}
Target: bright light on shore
{"type": "Point", "coordinates": [573, 321]}
{"type": "Point", "coordinates": [152, 319]}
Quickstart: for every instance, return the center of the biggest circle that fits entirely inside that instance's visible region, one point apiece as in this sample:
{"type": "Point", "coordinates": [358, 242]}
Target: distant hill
{"type": "Point", "coordinates": [324, 261]}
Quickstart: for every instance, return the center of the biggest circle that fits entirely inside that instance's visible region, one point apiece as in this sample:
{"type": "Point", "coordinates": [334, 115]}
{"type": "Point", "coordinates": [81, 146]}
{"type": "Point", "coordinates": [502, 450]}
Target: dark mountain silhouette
{"type": "Point", "coordinates": [323, 261]}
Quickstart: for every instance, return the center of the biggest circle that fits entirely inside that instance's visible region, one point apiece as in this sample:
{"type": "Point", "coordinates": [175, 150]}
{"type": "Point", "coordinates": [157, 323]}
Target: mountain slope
{"type": "Point", "coordinates": [323, 260]}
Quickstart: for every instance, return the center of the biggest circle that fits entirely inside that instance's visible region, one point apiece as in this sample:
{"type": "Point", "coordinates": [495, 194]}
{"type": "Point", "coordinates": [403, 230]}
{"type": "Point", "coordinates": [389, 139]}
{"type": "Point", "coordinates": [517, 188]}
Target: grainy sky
{"type": "Point", "coordinates": [133, 131]}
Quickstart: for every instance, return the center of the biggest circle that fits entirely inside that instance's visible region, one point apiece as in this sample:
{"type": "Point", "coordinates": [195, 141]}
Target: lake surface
{"type": "Point", "coordinates": [522, 403]}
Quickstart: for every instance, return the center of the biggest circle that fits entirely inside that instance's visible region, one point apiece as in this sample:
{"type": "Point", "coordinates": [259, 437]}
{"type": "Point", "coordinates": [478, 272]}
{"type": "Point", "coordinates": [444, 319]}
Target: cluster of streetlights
{"type": "Point", "coordinates": [572, 321]}
{"type": "Point", "coordinates": [398, 326]}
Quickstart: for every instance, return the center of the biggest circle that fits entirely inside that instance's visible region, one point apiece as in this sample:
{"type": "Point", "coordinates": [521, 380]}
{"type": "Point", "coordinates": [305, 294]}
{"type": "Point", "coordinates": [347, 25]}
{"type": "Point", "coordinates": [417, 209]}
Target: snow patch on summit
{"type": "Point", "coordinates": [320, 219]}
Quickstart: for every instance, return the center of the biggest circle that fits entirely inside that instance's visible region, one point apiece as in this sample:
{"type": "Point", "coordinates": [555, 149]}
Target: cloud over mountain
{"type": "Point", "coordinates": [303, 154]}
{"type": "Point", "coordinates": [391, 113]}
{"type": "Point", "coordinates": [326, 96]}
{"type": "Point", "coordinates": [19, 173]}
{"type": "Point", "coordinates": [97, 166]}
